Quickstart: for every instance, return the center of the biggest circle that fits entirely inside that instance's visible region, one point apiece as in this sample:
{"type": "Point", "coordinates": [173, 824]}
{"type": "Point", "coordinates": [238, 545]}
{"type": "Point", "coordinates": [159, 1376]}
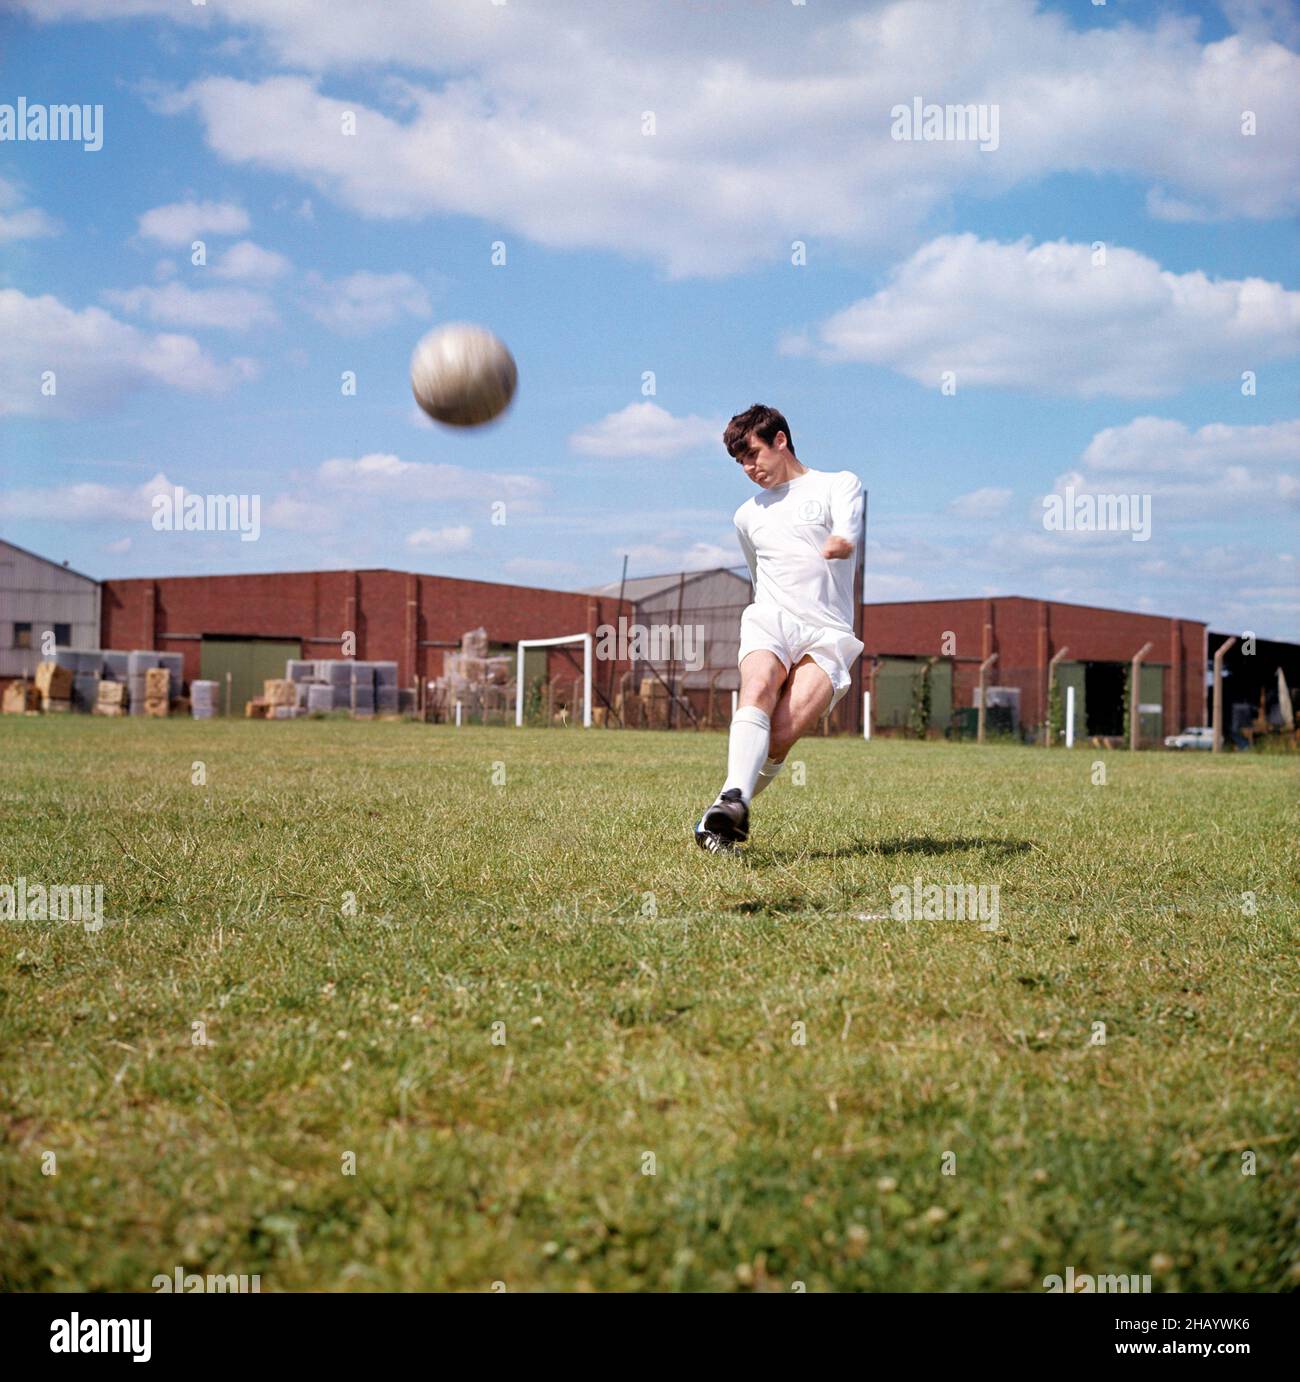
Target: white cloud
{"type": "Point", "coordinates": [95, 359]}
{"type": "Point", "coordinates": [365, 301]}
{"type": "Point", "coordinates": [94, 503]}
{"type": "Point", "coordinates": [231, 309]}
{"type": "Point", "coordinates": [646, 430]}
{"type": "Point", "coordinates": [1162, 207]}
{"type": "Point", "coordinates": [249, 262]}
{"type": "Point", "coordinates": [1193, 475]}
{"type": "Point", "coordinates": [669, 554]}
{"type": "Point", "coordinates": [532, 119]}
{"type": "Point", "coordinates": [388, 476]}
{"type": "Point", "coordinates": [440, 540]}
{"type": "Point", "coordinates": [981, 503]}
{"type": "Point", "coordinates": [1044, 318]}
{"type": "Point", "coordinates": [19, 222]}
{"type": "Point", "coordinates": [88, 502]}
{"type": "Point", "coordinates": [181, 223]}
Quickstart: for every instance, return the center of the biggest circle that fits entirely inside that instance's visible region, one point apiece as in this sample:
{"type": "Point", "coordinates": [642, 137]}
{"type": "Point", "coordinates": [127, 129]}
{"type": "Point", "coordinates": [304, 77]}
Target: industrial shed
{"type": "Point", "coordinates": [42, 603]}
{"type": "Point", "coordinates": [689, 635]}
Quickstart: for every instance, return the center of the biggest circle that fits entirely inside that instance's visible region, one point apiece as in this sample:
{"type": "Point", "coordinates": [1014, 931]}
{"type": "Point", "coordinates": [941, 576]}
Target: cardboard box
{"type": "Point", "coordinates": [157, 709]}
{"type": "Point", "coordinates": [157, 683]}
{"type": "Point", "coordinates": [56, 707]}
{"type": "Point", "coordinates": [112, 693]}
{"type": "Point", "coordinates": [277, 691]}
{"type": "Point", "coordinates": [112, 710]}
{"type": "Point", "coordinates": [20, 697]}
{"type": "Point", "coordinates": [54, 682]}
{"type": "Point", "coordinates": [255, 710]}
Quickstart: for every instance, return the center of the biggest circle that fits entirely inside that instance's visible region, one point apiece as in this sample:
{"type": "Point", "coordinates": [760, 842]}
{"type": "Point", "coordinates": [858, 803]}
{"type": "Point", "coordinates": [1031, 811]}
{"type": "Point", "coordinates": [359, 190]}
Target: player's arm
{"type": "Point", "coordinates": [751, 557]}
{"type": "Point", "coordinates": [846, 516]}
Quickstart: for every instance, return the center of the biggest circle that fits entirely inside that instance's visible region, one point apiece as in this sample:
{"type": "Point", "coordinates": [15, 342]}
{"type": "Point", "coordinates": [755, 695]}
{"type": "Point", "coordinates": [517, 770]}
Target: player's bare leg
{"type": "Point", "coordinates": [804, 699]}
{"type": "Point", "coordinates": [775, 709]}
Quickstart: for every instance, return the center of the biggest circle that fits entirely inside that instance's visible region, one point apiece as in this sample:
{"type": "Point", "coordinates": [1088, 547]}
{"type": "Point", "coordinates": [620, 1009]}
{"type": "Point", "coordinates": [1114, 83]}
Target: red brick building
{"type": "Point", "coordinates": [396, 616]}
{"type": "Point", "coordinates": [1097, 645]}
{"type": "Point", "coordinates": [415, 619]}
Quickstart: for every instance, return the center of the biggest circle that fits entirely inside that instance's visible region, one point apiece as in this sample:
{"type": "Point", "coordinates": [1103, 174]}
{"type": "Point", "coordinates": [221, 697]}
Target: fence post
{"type": "Point", "coordinates": [1217, 722]}
{"type": "Point", "coordinates": [1134, 698]}
{"type": "Point", "coordinates": [984, 695]}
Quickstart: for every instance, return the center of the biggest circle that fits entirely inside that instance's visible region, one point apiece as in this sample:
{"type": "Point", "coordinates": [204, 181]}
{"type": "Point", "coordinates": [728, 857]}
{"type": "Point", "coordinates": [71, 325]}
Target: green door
{"type": "Point", "coordinates": [941, 694]}
{"type": "Point", "coordinates": [249, 662]}
{"type": "Point", "coordinates": [895, 678]}
{"type": "Point", "coordinates": [536, 661]}
{"type": "Point", "coordinates": [1151, 692]}
{"type": "Point", "coordinates": [1072, 674]}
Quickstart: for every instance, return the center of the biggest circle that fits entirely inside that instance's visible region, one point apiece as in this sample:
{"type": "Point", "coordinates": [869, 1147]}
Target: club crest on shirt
{"type": "Point", "coordinates": [810, 511]}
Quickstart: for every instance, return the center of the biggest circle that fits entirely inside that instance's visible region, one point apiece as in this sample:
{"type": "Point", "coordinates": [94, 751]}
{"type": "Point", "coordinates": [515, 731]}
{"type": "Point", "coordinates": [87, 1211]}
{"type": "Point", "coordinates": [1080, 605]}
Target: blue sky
{"type": "Point", "coordinates": [671, 251]}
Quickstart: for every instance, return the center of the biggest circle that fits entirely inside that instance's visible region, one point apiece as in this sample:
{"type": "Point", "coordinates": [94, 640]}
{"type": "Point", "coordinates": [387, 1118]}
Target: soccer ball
{"type": "Point", "coordinates": [463, 375]}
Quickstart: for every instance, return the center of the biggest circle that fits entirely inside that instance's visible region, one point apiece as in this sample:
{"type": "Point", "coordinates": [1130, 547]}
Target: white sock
{"type": "Point", "coordinates": [751, 736]}
{"type": "Point", "coordinates": [767, 774]}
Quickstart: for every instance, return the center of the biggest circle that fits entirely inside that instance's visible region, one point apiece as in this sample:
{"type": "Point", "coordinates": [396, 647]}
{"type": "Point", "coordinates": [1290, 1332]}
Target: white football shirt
{"type": "Point", "coordinates": [782, 532]}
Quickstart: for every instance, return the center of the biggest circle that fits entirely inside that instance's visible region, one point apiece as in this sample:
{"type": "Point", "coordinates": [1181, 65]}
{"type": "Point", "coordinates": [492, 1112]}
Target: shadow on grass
{"type": "Point", "coordinates": [914, 844]}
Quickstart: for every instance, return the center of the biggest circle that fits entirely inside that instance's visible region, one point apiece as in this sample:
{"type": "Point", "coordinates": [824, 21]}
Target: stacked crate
{"type": "Point", "coordinates": [654, 703]}
{"type": "Point", "coordinates": [204, 699]}
{"type": "Point", "coordinates": [157, 692]}
{"type": "Point", "coordinates": [472, 678]}
{"type": "Point", "coordinates": [138, 663]}
{"type": "Point", "coordinates": [387, 699]}
{"type": "Point", "coordinates": [111, 698]}
{"type": "Point", "coordinates": [22, 698]}
{"type": "Point", "coordinates": [363, 690]}
{"type": "Point", "coordinates": [54, 683]}
{"type": "Point", "coordinates": [280, 695]}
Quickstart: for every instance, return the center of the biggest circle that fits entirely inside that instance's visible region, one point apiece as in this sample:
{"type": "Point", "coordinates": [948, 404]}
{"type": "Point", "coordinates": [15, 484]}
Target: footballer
{"type": "Point", "coordinates": [797, 646]}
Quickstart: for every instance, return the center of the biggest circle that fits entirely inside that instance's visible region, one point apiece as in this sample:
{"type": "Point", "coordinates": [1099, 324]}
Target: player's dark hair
{"type": "Point", "coordinates": [767, 422]}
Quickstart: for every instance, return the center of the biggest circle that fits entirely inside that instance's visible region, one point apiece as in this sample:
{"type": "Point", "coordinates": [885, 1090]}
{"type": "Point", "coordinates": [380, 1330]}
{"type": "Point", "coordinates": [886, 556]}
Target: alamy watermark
{"type": "Point", "coordinates": [1072, 512]}
{"type": "Point", "coordinates": [191, 1283]}
{"type": "Point", "coordinates": [919, 901]}
{"type": "Point", "coordinates": [76, 902]}
{"type": "Point", "coordinates": [90, 1335]}
{"type": "Point", "coordinates": [208, 513]}
{"type": "Point", "coordinates": [629, 642]}
{"type": "Point", "coordinates": [1082, 1284]}
{"type": "Point", "coordinates": [952, 123]}
{"type": "Point", "coordinates": [30, 121]}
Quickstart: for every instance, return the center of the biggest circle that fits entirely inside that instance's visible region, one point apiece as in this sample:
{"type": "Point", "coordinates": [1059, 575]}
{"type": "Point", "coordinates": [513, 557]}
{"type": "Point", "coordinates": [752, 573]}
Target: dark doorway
{"type": "Point", "coordinates": [1103, 695]}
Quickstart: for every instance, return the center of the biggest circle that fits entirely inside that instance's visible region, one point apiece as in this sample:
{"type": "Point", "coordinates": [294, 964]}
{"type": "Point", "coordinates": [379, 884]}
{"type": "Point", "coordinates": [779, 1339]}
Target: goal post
{"type": "Point", "coordinates": [587, 640]}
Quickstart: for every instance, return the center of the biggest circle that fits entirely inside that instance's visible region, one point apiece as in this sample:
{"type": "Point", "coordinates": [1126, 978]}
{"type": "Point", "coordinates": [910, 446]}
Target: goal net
{"type": "Point", "coordinates": [587, 641]}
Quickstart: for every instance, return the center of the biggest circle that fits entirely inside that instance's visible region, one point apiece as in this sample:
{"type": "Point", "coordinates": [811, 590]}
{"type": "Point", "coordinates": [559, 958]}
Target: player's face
{"type": "Point", "coordinates": [764, 462]}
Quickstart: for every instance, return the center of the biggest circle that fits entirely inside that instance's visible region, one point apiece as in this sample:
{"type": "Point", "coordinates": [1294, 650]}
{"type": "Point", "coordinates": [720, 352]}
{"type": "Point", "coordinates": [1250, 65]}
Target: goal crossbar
{"type": "Point", "coordinates": [587, 640]}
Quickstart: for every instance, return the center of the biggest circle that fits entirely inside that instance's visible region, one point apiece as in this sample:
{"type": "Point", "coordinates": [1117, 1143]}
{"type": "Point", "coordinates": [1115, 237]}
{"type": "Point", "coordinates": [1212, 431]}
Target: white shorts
{"type": "Point", "coordinates": [768, 629]}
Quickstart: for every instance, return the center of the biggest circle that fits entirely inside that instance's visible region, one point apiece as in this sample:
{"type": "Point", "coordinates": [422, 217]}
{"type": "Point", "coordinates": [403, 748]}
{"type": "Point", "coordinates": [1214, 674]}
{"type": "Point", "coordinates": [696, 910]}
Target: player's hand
{"type": "Point", "coordinates": [836, 548]}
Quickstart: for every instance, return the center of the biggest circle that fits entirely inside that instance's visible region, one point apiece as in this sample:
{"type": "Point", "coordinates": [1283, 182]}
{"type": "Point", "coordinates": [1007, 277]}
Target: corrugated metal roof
{"type": "Point", "coordinates": [639, 587]}
{"type": "Point", "coordinates": [15, 557]}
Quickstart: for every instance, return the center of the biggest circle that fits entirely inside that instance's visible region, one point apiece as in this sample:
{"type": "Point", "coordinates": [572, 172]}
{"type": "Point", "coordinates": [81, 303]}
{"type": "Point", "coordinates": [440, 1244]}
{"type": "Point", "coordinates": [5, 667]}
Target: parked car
{"type": "Point", "coordinates": [1198, 737]}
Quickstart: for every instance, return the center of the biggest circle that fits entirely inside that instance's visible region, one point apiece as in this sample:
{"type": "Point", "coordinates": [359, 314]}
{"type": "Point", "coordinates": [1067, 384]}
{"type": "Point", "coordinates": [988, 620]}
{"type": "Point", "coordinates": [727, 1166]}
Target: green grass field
{"type": "Point", "coordinates": [649, 995]}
